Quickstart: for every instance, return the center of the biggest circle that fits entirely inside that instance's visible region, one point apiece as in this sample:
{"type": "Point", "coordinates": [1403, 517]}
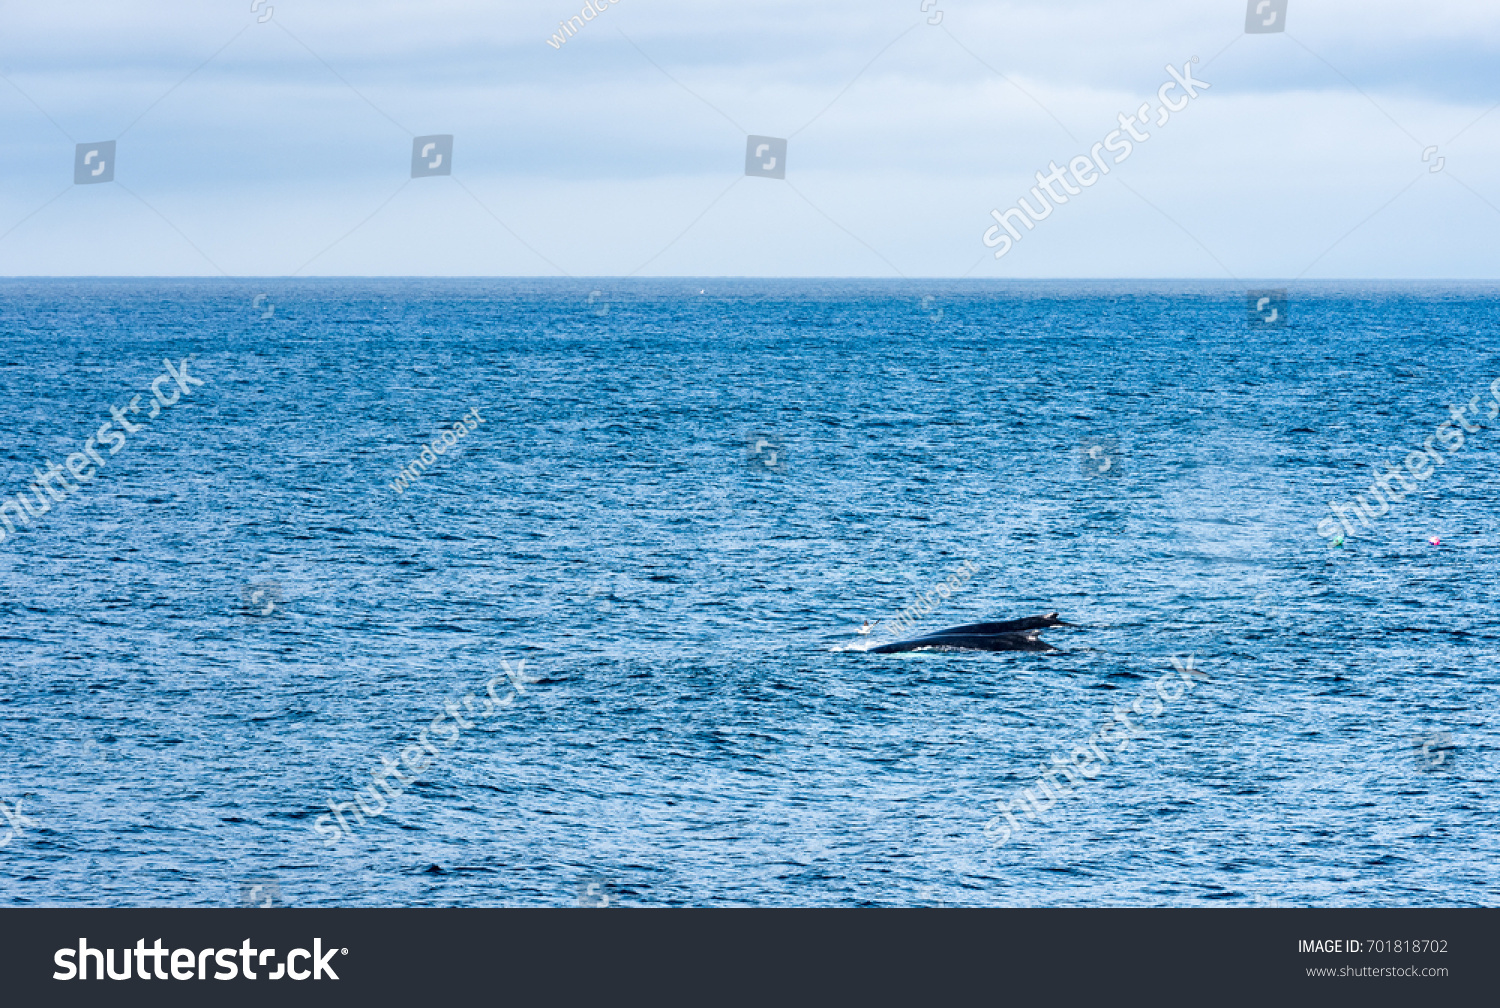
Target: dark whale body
{"type": "Point", "coordinates": [972, 642]}
{"type": "Point", "coordinates": [1008, 626]}
{"type": "Point", "coordinates": [1009, 635]}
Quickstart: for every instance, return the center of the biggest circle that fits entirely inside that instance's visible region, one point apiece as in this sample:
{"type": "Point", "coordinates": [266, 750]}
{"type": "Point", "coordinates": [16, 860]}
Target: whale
{"type": "Point", "coordinates": [1005, 635]}
{"type": "Point", "coordinates": [1007, 626]}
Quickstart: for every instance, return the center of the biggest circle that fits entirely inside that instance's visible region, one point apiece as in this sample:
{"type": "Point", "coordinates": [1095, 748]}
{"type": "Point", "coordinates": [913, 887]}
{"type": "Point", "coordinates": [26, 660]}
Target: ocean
{"type": "Point", "coordinates": [615, 620]}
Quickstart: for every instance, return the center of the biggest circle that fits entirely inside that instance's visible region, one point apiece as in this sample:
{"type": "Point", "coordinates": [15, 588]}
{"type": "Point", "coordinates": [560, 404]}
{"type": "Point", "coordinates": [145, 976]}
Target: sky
{"type": "Point", "coordinates": [259, 138]}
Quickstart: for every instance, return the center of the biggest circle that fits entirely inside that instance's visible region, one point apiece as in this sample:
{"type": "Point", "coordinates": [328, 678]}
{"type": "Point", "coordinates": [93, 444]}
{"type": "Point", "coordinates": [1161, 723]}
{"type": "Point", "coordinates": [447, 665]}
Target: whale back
{"type": "Point", "coordinates": [1023, 641]}
{"type": "Point", "coordinates": [1005, 635]}
{"type": "Point", "coordinates": [1005, 626]}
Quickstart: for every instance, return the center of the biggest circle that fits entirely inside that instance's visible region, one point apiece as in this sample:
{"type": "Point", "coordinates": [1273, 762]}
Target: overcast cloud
{"type": "Point", "coordinates": [264, 159]}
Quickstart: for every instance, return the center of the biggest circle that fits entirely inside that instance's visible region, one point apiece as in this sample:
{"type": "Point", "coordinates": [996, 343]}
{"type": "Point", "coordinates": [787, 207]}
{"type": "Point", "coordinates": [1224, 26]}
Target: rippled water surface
{"type": "Point", "coordinates": [683, 499]}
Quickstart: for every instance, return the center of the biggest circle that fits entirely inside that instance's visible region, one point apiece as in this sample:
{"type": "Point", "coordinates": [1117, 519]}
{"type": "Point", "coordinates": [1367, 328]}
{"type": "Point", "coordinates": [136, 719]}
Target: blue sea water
{"type": "Point", "coordinates": [684, 498]}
